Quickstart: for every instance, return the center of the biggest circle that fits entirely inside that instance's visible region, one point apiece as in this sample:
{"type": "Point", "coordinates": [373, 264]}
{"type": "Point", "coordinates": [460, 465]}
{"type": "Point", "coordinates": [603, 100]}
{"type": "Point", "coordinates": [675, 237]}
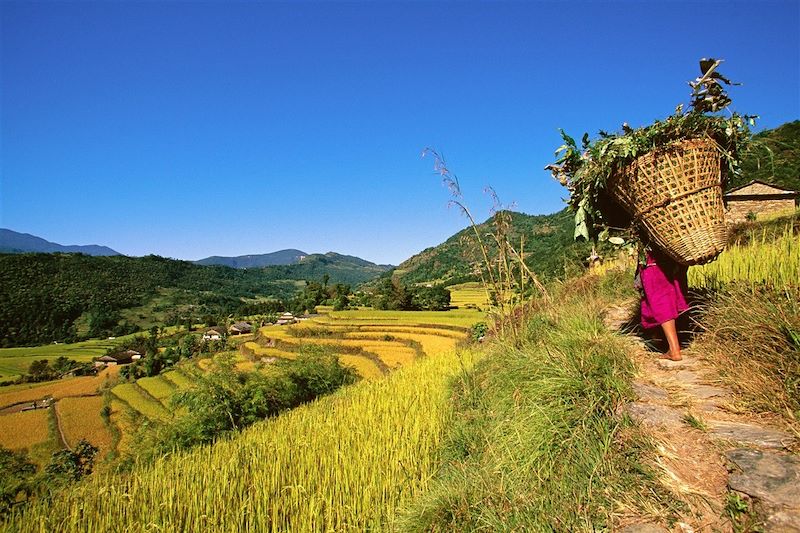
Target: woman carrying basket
{"type": "Point", "coordinates": [663, 286]}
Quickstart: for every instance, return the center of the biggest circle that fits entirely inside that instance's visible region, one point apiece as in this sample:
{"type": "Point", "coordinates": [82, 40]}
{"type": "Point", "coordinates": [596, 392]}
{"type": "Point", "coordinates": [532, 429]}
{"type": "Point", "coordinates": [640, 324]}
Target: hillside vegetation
{"type": "Point", "coordinates": [549, 250]}
{"type": "Point", "coordinates": [774, 158]}
{"type": "Point", "coordinates": [43, 295]}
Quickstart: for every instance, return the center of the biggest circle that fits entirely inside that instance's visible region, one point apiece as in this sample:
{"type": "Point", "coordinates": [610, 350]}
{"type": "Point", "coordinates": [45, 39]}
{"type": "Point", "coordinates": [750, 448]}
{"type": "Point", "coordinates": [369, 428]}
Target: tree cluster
{"type": "Point", "coordinates": [46, 370]}
{"type": "Point", "coordinates": [20, 480]}
{"type": "Point", "coordinates": [320, 293]}
{"type": "Point", "coordinates": [392, 294]}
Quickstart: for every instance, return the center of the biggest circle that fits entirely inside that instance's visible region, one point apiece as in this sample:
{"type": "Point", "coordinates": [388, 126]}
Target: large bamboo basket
{"type": "Point", "coordinates": [675, 194]}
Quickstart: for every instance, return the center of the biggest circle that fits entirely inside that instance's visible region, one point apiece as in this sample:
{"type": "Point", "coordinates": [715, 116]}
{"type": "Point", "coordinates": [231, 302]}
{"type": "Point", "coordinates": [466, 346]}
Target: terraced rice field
{"type": "Point", "coordinates": [265, 351]}
{"type": "Point", "coordinates": [178, 378]}
{"type": "Point", "coordinates": [134, 397]}
{"type": "Point", "coordinates": [455, 317]}
{"type": "Point", "coordinates": [468, 295]}
{"type": "Point", "coordinates": [23, 430]}
{"type": "Point", "coordinates": [366, 368]}
{"type": "Point", "coordinates": [158, 387]}
{"type": "Point", "coordinates": [120, 417]}
{"type": "Point", "coordinates": [16, 361]}
{"type": "Point", "coordinates": [432, 344]}
{"type": "Point", "coordinates": [344, 463]}
{"type": "Point", "coordinates": [79, 418]}
{"type": "Point", "coordinates": [395, 337]}
{"type": "Point", "coordinates": [78, 386]}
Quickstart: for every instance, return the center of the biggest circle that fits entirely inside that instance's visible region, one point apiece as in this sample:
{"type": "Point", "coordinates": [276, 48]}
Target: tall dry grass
{"type": "Point", "coordinates": [752, 337]}
{"type": "Point", "coordinates": [507, 281]}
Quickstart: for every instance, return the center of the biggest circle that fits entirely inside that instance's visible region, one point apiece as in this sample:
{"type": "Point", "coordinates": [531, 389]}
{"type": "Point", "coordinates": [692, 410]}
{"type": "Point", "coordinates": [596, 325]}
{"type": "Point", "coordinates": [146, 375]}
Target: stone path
{"type": "Point", "coordinates": [706, 447]}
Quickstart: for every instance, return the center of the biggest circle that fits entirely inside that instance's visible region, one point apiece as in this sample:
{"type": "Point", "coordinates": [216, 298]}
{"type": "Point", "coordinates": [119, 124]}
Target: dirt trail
{"type": "Point", "coordinates": [61, 438]}
{"type": "Point", "coordinates": [707, 449]}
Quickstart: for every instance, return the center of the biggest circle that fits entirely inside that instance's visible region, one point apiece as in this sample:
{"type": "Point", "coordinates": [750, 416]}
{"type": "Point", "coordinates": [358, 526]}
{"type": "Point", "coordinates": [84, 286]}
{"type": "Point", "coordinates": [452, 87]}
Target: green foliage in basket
{"type": "Point", "coordinates": [586, 170]}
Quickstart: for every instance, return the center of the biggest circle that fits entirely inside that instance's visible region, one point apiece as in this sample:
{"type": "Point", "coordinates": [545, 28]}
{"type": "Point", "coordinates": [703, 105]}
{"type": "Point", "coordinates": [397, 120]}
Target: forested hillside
{"type": "Point", "coordinates": [42, 295]}
{"type": "Point", "coordinates": [774, 158]}
{"type": "Point", "coordinates": [548, 247]}
{"type": "Point", "coordinates": [281, 257]}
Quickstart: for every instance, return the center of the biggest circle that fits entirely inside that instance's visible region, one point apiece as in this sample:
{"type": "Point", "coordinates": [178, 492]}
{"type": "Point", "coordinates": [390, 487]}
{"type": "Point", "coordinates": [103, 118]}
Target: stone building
{"type": "Point", "coordinates": [758, 198]}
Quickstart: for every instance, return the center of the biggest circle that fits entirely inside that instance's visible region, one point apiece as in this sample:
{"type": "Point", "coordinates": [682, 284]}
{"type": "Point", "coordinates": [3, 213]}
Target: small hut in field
{"type": "Point", "coordinates": [758, 198]}
{"type": "Point", "coordinates": [240, 328]}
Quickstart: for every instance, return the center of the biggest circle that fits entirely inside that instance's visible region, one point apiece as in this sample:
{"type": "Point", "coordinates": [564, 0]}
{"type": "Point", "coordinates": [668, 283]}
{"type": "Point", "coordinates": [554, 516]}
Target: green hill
{"type": "Point", "coordinates": [774, 158]}
{"type": "Point", "coordinates": [42, 296]}
{"type": "Point", "coordinates": [549, 250]}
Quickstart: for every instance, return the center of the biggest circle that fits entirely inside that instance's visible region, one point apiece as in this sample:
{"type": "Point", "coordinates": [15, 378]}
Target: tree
{"type": "Point", "coordinates": [341, 303]}
{"type": "Point", "coordinates": [16, 474]}
{"type": "Point", "coordinates": [71, 465]}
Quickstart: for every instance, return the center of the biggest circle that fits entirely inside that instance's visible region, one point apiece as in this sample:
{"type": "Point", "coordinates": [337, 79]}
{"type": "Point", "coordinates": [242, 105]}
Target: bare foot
{"type": "Point", "coordinates": [670, 357]}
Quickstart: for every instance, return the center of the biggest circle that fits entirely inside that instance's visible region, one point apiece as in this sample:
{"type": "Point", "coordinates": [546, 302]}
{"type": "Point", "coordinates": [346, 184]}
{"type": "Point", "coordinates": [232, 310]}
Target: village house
{"type": "Point", "coordinates": [240, 328]}
{"type": "Point", "coordinates": [120, 358]}
{"type": "Point", "coordinates": [758, 198]}
{"type": "Point", "coordinates": [214, 334]}
{"type": "Point", "coordinates": [285, 319]}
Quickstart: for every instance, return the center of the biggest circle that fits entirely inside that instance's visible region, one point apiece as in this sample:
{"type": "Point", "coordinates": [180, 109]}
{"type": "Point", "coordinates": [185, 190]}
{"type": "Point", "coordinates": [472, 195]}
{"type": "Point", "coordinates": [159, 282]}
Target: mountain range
{"type": "Point", "coordinates": [15, 242]}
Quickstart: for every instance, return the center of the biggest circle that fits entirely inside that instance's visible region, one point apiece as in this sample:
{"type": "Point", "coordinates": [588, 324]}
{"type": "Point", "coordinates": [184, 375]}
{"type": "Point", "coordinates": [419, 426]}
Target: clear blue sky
{"type": "Point", "coordinates": [189, 129]}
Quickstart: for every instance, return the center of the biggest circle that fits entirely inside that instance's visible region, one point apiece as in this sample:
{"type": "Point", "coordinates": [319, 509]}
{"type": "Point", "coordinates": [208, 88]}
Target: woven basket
{"type": "Point", "coordinates": [676, 195]}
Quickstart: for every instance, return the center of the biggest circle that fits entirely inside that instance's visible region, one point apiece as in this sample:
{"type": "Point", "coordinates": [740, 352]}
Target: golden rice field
{"type": "Point", "coordinates": [79, 418]}
{"type": "Point", "coordinates": [775, 263]}
{"type": "Point", "coordinates": [455, 317]}
{"type": "Point", "coordinates": [366, 368]}
{"type": "Point", "coordinates": [468, 294]}
{"type": "Point", "coordinates": [64, 388]}
{"type": "Point", "coordinates": [346, 462]}
{"type": "Point", "coordinates": [130, 394]}
{"type": "Point", "coordinates": [431, 344]}
{"type": "Point", "coordinates": [24, 429]}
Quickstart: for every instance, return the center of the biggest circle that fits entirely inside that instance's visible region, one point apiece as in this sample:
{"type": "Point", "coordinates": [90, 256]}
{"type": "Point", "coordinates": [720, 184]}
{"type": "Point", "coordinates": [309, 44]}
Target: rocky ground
{"type": "Point", "coordinates": [716, 458]}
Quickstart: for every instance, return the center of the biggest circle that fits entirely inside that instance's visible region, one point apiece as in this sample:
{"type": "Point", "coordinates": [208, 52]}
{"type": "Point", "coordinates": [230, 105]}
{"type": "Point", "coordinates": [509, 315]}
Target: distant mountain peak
{"type": "Point", "coordinates": [15, 242]}
{"type": "Point", "coordinates": [281, 257]}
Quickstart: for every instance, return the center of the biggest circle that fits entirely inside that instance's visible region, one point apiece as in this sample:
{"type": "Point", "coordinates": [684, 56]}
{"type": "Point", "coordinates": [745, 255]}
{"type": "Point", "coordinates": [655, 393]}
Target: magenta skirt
{"type": "Point", "coordinates": [664, 289]}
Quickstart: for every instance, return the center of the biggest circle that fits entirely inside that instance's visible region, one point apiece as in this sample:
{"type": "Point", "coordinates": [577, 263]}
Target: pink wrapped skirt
{"type": "Point", "coordinates": [664, 291]}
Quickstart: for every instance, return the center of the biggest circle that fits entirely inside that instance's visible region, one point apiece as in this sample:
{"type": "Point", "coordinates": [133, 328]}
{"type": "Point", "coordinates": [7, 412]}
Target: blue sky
{"type": "Point", "coordinates": [189, 129]}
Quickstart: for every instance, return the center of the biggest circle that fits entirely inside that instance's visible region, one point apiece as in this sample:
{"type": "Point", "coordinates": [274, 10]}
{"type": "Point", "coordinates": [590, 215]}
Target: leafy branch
{"type": "Point", "coordinates": [585, 170]}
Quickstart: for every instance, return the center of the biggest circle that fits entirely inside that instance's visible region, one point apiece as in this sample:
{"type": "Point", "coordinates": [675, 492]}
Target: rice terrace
{"type": "Point", "coordinates": [400, 267]}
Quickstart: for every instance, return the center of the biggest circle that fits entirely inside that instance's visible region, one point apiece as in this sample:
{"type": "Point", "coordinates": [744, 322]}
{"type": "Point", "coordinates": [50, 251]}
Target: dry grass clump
{"type": "Point", "coordinates": [752, 337]}
{"type": "Point", "coordinates": [536, 443]}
